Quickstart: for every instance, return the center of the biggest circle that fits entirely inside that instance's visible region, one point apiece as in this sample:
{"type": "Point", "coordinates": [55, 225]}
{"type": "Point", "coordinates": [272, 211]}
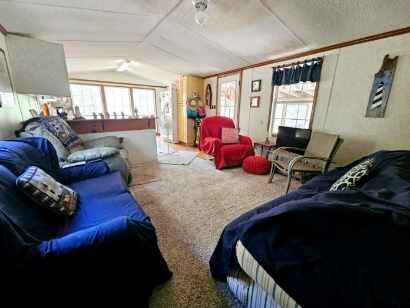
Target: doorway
{"type": "Point", "coordinates": [228, 97]}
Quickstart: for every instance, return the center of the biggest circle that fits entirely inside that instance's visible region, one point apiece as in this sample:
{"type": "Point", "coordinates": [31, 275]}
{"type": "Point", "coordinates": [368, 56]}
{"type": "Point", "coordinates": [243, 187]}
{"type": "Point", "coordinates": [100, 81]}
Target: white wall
{"type": "Point", "coordinates": [10, 115]}
{"type": "Point", "coordinates": [347, 77]}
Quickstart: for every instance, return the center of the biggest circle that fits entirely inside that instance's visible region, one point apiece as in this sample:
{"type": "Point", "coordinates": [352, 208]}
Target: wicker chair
{"type": "Point", "coordinates": [317, 157]}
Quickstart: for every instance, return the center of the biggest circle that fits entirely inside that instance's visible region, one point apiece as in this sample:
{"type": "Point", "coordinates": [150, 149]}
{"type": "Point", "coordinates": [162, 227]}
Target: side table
{"type": "Point", "coordinates": [265, 148]}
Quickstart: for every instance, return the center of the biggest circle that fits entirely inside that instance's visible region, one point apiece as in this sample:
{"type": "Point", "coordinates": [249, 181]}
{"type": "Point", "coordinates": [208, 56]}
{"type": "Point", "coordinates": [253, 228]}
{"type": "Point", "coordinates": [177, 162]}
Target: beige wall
{"type": "Point", "coordinates": [347, 76]}
{"type": "Point", "coordinates": [10, 115]}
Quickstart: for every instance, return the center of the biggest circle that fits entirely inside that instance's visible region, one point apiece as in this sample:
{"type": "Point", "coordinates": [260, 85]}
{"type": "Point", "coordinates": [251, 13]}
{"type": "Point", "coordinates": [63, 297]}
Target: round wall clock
{"type": "Point", "coordinates": [208, 95]}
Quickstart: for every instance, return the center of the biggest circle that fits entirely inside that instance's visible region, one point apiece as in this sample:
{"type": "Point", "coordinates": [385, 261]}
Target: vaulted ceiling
{"type": "Point", "coordinates": [163, 39]}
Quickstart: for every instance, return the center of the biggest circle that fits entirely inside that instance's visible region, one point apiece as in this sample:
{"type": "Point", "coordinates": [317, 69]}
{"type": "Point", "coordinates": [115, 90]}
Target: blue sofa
{"type": "Point", "coordinates": [108, 240]}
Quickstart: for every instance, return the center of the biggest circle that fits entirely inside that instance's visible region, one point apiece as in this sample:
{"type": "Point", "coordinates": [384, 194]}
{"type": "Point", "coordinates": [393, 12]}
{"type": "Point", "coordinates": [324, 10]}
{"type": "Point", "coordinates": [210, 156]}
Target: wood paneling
{"type": "Point", "coordinates": [318, 50]}
{"type": "Point", "coordinates": [111, 125]}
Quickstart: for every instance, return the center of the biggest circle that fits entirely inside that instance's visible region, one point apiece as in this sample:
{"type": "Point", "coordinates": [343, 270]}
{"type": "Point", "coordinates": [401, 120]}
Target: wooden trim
{"type": "Point", "coordinates": [3, 30]}
{"type": "Point", "coordinates": [112, 83]}
{"type": "Point", "coordinates": [132, 106]}
{"type": "Point", "coordinates": [239, 101]}
{"type": "Point", "coordinates": [361, 40]}
{"type": "Point", "coordinates": [103, 100]}
{"type": "Point", "coordinates": [312, 114]}
{"type": "Point", "coordinates": [270, 110]}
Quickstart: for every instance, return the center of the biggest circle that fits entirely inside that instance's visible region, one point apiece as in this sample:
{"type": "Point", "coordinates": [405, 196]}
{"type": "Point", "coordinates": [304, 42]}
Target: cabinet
{"type": "Point", "coordinates": [186, 87]}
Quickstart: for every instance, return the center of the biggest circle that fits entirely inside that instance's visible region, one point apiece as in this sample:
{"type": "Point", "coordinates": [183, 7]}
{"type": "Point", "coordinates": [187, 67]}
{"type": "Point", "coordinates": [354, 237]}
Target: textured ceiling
{"type": "Point", "coordinates": [162, 37]}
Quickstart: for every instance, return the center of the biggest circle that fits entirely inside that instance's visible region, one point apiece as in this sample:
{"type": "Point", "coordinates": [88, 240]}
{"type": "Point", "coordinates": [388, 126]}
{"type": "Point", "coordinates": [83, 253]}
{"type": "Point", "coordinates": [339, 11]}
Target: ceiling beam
{"type": "Point", "coordinates": [361, 40]}
{"type": "Point", "coordinates": [282, 22]}
{"type": "Point", "coordinates": [69, 7]}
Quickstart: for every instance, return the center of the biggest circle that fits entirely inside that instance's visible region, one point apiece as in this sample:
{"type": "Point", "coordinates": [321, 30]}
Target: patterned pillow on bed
{"type": "Point", "coordinates": [47, 192]}
{"type": "Point", "coordinates": [351, 178]}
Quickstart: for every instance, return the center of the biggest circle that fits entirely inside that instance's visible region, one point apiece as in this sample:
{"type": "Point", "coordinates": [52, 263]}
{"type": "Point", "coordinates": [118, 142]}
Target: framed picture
{"type": "Point", "coordinates": [256, 85]}
{"type": "Point", "coordinates": [5, 80]}
{"type": "Point", "coordinates": [255, 100]}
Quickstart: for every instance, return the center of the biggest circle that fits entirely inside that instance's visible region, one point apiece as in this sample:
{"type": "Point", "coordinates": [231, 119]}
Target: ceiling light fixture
{"type": "Point", "coordinates": [201, 17]}
{"type": "Point", "coordinates": [124, 66]}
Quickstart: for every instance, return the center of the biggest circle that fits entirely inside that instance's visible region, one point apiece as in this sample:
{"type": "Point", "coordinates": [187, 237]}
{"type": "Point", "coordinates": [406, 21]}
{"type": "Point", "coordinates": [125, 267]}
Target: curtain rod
{"type": "Point", "coordinates": [317, 59]}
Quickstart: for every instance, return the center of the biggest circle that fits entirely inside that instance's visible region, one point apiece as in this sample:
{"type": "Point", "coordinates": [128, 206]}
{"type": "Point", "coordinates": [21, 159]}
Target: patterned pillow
{"type": "Point", "coordinates": [60, 128]}
{"type": "Point", "coordinates": [47, 192]}
{"type": "Point", "coordinates": [92, 154]}
{"type": "Point", "coordinates": [229, 135]}
{"type": "Point", "coordinates": [351, 178]}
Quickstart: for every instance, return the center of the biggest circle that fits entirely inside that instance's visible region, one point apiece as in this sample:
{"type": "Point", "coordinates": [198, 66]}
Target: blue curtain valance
{"type": "Point", "coordinates": [308, 70]}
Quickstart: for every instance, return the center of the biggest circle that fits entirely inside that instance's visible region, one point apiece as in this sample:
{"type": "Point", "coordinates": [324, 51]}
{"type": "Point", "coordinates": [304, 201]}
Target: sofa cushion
{"type": "Point", "coordinates": [107, 141]}
{"type": "Point", "coordinates": [36, 129]}
{"type": "Point", "coordinates": [34, 222]}
{"type": "Point", "coordinates": [47, 192]}
{"type": "Point", "coordinates": [95, 210]}
{"type": "Point", "coordinates": [92, 154]}
{"type": "Point", "coordinates": [19, 154]}
{"type": "Point", "coordinates": [106, 185]}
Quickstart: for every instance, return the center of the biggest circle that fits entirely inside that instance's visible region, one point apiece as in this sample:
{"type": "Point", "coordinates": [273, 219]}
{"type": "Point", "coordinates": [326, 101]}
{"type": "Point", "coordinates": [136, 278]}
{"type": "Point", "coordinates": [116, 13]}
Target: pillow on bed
{"type": "Point", "coordinates": [351, 178]}
{"type": "Point", "coordinates": [47, 192]}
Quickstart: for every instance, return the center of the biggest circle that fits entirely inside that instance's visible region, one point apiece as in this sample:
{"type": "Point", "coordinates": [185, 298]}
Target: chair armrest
{"type": "Point", "coordinates": [245, 140]}
{"type": "Point", "coordinates": [277, 150]}
{"type": "Point", "coordinates": [81, 172]}
{"type": "Point", "coordinates": [107, 141]}
{"type": "Point", "coordinates": [301, 157]}
{"type": "Point", "coordinates": [94, 239]}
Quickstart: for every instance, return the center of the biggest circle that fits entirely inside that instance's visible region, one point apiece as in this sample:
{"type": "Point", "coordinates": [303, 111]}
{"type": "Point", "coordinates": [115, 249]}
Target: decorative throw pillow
{"type": "Point", "coordinates": [92, 154]}
{"type": "Point", "coordinates": [47, 192]}
{"type": "Point", "coordinates": [229, 135]}
{"type": "Point", "coordinates": [60, 128]}
{"type": "Point", "coordinates": [351, 178]}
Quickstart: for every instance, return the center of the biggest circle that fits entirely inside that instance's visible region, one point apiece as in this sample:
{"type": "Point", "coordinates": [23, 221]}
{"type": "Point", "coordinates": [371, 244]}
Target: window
{"type": "Point", "coordinates": [293, 105]}
{"type": "Point", "coordinates": [144, 102]}
{"type": "Point", "coordinates": [95, 98]}
{"type": "Point", "coordinates": [228, 98]}
{"type": "Point", "coordinates": [118, 100]}
{"type": "Point", "coordinates": [87, 98]}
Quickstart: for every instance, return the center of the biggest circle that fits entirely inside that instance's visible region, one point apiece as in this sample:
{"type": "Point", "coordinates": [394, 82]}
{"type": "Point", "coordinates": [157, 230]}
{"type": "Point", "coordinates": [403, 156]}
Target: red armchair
{"type": "Point", "coordinates": [226, 155]}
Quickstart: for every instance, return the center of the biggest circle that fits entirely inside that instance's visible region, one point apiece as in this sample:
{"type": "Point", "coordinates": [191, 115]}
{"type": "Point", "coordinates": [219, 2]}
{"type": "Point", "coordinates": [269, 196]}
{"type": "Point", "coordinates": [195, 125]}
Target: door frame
{"type": "Point", "coordinates": [237, 76]}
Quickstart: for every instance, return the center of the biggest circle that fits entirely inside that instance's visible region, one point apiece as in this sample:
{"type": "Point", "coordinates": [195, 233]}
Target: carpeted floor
{"type": "Point", "coordinates": [189, 206]}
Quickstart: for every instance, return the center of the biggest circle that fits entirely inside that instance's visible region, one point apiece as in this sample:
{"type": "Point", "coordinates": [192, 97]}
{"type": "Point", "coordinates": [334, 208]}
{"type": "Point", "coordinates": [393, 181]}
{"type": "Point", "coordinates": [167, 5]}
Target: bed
{"type": "Point", "coordinates": [320, 248]}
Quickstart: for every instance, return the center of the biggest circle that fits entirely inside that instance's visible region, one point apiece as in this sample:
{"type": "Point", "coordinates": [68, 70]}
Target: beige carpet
{"type": "Point", "coordinates": [189, 207]}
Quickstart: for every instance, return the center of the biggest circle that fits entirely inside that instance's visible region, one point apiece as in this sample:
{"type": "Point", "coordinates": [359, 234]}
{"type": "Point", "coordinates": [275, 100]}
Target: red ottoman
{"type": "Point", "coordinates": [256, 165]}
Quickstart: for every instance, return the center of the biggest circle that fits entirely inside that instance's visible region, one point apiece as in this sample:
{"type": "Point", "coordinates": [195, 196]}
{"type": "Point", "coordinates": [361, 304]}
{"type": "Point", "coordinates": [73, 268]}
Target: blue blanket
{"type": "Point", "coordinates": [333, 249]}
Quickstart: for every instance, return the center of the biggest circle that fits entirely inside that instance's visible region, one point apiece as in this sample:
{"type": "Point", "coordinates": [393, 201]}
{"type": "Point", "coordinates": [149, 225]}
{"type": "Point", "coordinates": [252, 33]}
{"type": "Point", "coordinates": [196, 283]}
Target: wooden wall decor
{"type": "Point", "coordinates": [379, 95]}
{"type": "Point", "coordinates": [208, 97]}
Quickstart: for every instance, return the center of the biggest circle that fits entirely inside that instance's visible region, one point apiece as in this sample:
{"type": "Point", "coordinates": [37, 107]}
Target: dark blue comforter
{"type": "Point", "coordinates": [333, 249]}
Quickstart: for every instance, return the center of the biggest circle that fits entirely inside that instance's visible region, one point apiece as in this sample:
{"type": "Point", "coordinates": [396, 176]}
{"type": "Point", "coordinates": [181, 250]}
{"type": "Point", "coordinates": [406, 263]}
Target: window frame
{"type": "Point", "coordinates": [274, 98]}
{"type": "Point", "coordinates": [129, 87]}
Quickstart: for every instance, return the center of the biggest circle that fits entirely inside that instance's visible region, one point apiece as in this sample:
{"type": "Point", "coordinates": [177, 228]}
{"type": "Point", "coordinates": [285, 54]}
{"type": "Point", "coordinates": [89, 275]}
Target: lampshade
{"type": "Point", "coordinates": [37, 67]}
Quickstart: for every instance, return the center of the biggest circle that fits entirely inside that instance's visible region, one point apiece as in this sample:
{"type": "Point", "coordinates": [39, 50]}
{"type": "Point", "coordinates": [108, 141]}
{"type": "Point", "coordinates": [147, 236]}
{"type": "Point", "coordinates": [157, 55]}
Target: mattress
{"type": "Point", "coordinates": [253, 286]}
